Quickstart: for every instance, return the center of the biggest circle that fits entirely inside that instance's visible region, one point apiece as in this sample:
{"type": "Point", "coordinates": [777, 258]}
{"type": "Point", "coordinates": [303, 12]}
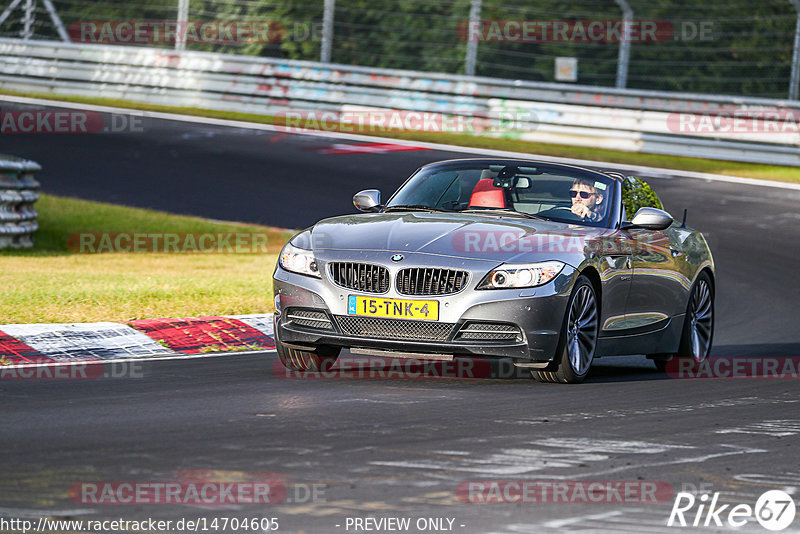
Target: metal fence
{"type": "Point", "coordinates": [644, 121]}
{"type": "Point", "coordinates": [735, 47]}
{"type": "Point", "coordinates": [17, 195]}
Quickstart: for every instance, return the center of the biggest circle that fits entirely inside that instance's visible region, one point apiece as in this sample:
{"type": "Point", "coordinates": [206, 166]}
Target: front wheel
{"type": "Point", "coordinates": [578, 339]}
{"type": "Point", "coordinates": [698, 326]}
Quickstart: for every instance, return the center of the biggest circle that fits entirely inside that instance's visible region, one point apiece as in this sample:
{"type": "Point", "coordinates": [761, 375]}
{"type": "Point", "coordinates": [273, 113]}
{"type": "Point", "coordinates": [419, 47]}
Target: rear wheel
{"type": "Point", "coordinates": [320, 359]}
{"type": "Point", "coordinates": [578, 339]}
{"type": "Point", "coordinates": [698, 326]}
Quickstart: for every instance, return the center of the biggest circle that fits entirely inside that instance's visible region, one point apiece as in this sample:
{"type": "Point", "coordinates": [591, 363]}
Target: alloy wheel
{"type": "Point", "coordinates": [701, 317]}
{"type": "Point", "coordinates": [582, 329]}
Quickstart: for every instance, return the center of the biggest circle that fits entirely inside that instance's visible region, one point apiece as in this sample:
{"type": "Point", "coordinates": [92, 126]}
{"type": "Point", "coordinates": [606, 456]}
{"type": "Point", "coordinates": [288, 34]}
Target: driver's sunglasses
{"type": "Point", "coordinates": [584, 194]}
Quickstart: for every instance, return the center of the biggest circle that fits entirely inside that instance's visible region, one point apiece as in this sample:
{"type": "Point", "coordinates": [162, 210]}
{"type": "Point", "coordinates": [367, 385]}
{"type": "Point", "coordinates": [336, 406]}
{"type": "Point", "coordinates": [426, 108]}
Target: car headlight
{"type": "Point", "coordinates": [521, 275]}
{"type": "Point", "coordinates": [298, 260]}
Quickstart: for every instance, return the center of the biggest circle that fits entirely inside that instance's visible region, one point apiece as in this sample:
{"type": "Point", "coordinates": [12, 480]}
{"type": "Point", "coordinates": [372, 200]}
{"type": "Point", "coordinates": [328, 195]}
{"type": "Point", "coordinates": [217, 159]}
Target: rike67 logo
{"type": "Point", "coordinates": [774, 510]}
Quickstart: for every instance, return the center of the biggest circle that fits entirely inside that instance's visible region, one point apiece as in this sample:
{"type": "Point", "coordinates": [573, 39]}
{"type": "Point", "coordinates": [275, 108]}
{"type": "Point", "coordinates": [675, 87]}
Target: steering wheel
{"type": "Point", "coordinates": [565, 213]}
{"type": "Point", "coordinates": [564, 208]}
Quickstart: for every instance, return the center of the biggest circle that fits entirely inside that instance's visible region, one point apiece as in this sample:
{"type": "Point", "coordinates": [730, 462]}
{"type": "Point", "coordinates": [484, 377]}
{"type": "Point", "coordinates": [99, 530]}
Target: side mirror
{"type": "Point", "coordinates": [367, 200]}
{"type": "Point", "coordinates": [650, 218]}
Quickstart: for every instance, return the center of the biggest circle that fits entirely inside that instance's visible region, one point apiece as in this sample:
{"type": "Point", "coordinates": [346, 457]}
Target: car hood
{"type": "Point", "coordinates": [460, 235]}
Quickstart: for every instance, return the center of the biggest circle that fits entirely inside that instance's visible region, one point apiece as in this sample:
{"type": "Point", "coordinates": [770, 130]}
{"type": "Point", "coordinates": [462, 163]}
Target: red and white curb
{"type": "Point", "coordinates": [42, 344]}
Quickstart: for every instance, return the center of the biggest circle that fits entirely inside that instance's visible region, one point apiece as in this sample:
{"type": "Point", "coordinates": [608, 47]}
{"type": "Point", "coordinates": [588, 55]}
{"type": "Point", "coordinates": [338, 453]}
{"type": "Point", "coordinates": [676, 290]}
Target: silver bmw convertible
{"type": "Point", "coordinates": [548, 265]}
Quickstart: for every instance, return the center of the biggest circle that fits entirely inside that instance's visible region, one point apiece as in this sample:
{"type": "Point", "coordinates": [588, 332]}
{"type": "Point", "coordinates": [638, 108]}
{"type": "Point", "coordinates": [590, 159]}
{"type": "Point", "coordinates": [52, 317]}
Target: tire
{"type": "Point", "coordinates": [578, 340]}
{"type": "Point", "coordinates": [321, 359]}
{"type": "Point", "coordinates": [698, 325]}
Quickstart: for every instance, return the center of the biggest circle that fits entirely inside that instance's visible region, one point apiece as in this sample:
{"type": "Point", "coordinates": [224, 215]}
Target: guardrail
{"type": "Point", "coordinates": [760, 130]}
{"type": "Point", "coordinates": [17, 196]}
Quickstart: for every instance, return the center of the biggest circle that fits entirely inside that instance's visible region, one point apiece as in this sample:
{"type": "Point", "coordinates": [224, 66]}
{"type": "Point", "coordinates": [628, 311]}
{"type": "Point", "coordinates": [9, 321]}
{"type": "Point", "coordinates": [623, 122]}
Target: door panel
{"type": "Point", "coordinates": [658, 287]}
{"type": "Point", "coordinates": [615, 274]}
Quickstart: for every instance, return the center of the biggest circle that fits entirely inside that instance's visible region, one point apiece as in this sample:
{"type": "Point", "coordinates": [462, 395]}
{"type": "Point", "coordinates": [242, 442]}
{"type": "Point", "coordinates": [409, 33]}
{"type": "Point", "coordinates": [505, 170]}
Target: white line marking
{"type": "Point", "coordinates": [560, 523]}
{"type": "Point", "coordinates": [518, 460]}
{"type": "Point", "coordinates": [675, 408]}
{"type": "Point", "coordinates": [776, 427]}
{"type": "Point", "coordinates": [589, 445]}
{"type": "Point", "coordinates": [696, 459]}
{"type": "Point", "coordinates": [790, 480]}
{"type": "Point", "coordinates": [651, 171]}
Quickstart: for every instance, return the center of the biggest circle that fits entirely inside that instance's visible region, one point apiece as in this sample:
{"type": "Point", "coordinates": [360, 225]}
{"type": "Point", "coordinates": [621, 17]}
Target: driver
{"type": "Point", "coordinates": [586, 200]}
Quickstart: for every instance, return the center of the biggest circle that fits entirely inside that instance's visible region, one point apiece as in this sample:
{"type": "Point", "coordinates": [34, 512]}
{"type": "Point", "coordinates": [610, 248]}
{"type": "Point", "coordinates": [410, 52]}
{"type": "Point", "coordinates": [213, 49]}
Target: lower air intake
{"type": "Point", "coordinates": [489, 332]}
{"type": "Point", "coordinates": [309, 319]}
{"type": "Point", "coordinates": [394, 329]}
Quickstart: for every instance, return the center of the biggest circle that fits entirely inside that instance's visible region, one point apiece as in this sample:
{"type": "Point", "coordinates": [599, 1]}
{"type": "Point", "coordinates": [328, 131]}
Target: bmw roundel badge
{"type": "Point", "coordinates": [397, 257]}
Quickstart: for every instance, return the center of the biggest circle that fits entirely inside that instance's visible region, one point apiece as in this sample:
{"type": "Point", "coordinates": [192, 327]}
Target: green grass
{"type": "Point", "coordinates": [731, 168]}
{"type": "Point", "coordinates": [51, 284]}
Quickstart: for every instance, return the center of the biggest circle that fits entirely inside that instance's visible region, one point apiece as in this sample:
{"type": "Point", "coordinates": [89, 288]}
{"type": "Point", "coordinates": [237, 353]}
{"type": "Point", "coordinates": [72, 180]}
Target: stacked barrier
{"type": "Point", "coordinates": [17, 195]}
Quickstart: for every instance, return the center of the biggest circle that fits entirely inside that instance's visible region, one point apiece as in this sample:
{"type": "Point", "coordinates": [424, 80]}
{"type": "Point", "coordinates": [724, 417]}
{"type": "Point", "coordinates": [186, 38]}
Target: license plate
{"type": "Point", "coordinates": [426, 310]}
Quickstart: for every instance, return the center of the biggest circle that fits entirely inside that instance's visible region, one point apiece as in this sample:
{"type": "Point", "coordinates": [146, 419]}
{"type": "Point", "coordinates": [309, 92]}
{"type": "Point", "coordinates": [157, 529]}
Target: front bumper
{"type": "Point", "coordinates": [538, 313]}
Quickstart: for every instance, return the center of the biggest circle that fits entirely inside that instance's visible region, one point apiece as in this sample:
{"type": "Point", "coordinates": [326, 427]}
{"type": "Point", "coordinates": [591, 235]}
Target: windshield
{"type": "Point", "coordinates": [547, 191]}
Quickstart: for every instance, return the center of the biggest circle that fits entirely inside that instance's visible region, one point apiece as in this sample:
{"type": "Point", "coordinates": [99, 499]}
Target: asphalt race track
{"type": "Point", "coordinates": [401, 447]}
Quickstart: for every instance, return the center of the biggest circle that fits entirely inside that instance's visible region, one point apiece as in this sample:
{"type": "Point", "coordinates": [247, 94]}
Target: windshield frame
{"type": "Point", "coordinates": [612, 220]}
